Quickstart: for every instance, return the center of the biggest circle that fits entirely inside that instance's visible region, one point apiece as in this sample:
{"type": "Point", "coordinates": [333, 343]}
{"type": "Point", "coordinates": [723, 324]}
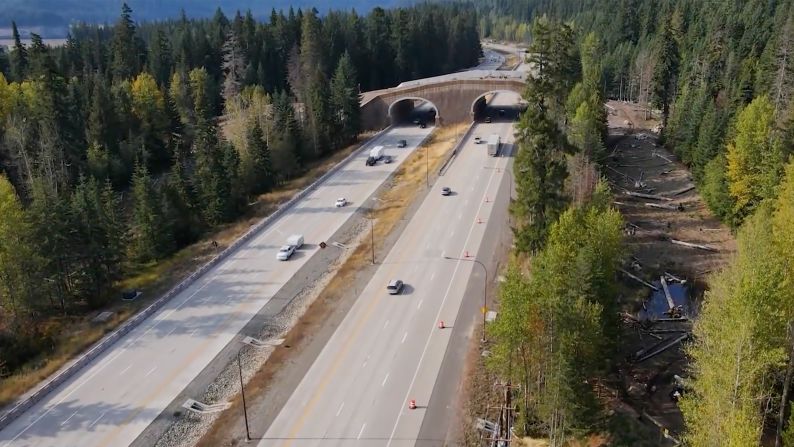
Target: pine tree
{"type": "Point", "coordinates": [256, 165]}
{"type": "Point", "coordinates": [234, 67]}
{"type": "Point", "coordinates": [18, 57]}
{"type": "Point", "coordinates": [148, 235]}
{"type": "Point", "coordinates": [125, 57]}
{"type": "Point", "coordinates": [345, 100]}
{"type": "Point", "coordinates": [540, 174]}
{"type": "Point", "coordinates": [160, 59]}
{"type": "Point", "coordinates": [665, 73]}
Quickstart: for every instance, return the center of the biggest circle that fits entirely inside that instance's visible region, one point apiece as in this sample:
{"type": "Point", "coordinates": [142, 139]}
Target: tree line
{"type": "Point", "coordinates": [720, 76]}
{"type": "Point", "coordinates": [557, 315]}
{"type": "Point", "coordinates": [134, 140]}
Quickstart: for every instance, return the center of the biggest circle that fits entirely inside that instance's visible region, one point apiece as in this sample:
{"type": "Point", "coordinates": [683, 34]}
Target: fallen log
{"type": "Point", "coordinates": [663, 157]}
{"type": "Point", "coordinates": [674, 278]}
{"type": "Point", "coordinates": [670, 303]}
{"type": "Point", "coordinates": [663, 206]}
{"type": "Point", "coordinates": [663, 347]}
{"type": "Point", "coordinates": [640, 280]}
{"type": "Point", "coordinates": [665, 431]}
{"type": "Point", "coordinates": [682, 190]}
{"type": "Point", "coordinates": [648, 196]}
{"type": "Point", "coordinates": [691, 245]}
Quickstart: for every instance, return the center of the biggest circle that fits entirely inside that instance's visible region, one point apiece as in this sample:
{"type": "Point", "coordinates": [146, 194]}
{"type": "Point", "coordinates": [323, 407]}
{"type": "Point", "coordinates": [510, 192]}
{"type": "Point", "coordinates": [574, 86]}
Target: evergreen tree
{"type": "Point", "coordinates": [160, 59]}
{"type": "Point", "coordinates": [148, 235]}
{"type": "Point", "coordinates": [540, 173]}
{"type": "Point", "coordinates": [19, 56]}
{"type": "Point", "coordinates": [345, 101]}
{"type": "Point", "coordinates": [125, 57]}
{"type": "Point", "coordinates": [665, 72]}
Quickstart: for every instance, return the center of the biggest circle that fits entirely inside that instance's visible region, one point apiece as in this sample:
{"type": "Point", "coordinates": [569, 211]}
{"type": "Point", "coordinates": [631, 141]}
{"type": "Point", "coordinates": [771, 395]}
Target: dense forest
{"type": "Point", "coordinates": [719, 74]}
{"type": "Point", "coordinates": [131, 141]}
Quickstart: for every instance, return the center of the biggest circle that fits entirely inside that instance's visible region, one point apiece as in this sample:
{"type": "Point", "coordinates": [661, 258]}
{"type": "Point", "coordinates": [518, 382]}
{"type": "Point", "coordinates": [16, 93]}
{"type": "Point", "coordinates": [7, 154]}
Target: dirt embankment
{"type": "Point", "coordinates": [656, 195]}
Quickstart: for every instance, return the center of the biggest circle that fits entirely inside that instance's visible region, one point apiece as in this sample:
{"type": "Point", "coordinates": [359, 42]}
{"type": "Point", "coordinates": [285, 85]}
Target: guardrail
{"type": "Point", "coordinates": [69, 370]}
{"type": "Point", "coordinates": [443, 169]}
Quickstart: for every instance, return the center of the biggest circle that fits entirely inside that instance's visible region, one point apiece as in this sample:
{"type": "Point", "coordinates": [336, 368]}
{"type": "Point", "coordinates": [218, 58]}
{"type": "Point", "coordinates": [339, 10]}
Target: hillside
{"type": "Point", "coordinates": [52, 17]}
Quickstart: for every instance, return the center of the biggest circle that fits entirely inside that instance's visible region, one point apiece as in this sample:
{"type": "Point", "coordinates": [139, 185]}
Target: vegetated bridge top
{"type": "Point", "coordinates": [455, 96]}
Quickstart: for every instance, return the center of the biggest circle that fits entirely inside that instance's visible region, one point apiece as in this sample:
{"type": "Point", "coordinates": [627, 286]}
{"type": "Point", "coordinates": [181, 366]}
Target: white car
{"type": "Point", "coordinates": [340, 202]}
{"type": "Point", "coordinates": [285, 252]}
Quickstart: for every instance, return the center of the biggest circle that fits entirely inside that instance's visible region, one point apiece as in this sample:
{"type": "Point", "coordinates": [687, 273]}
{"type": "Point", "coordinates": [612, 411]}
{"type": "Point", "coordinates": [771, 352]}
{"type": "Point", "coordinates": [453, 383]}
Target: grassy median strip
{"type": "Point", "coordinates": [77, 333]}
{"type": "Point", "coordinates": [405, 186]}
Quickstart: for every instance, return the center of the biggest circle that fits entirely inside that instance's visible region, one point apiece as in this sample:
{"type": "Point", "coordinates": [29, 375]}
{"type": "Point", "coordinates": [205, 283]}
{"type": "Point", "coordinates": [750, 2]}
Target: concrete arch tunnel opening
{"type": "Point", "coordinates": [413, 110]}
{"type": "Point", "coordinates": [498, 105]}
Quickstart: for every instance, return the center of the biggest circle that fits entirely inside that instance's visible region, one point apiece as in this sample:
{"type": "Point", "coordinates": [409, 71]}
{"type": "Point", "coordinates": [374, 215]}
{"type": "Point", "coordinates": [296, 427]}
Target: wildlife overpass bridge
{"type": "Point", "coordinates": [455, 98]}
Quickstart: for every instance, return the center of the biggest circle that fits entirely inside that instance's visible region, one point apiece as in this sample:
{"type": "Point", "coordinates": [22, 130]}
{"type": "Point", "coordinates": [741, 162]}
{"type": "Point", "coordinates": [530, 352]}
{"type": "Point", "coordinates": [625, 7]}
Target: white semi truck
{"type": "Point", "coordinates": [493, 145]}
{"type": "Point", "coordinates": [375, 154]}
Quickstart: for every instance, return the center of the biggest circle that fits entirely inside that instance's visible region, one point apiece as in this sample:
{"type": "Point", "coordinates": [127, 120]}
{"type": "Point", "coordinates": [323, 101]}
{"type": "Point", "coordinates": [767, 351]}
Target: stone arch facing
{"type": "Point", "coordinates": [453, 100]}
{"type": "Point", "coordinates": [394, 113]}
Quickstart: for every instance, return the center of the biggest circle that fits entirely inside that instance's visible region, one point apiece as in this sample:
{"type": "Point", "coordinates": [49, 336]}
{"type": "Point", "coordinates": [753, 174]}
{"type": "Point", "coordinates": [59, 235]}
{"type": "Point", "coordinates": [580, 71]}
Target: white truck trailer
{"type": "Point", "coordinates": [494, 142]}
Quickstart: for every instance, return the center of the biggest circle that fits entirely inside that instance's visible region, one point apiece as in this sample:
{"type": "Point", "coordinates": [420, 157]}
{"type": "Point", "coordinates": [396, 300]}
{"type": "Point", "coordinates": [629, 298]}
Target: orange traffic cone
{"type": "Point", "coordinates": [479, 221]}
{"type": "Point", "coordinates": [466, 254]}
{"type": "Point", "coordinates": [441, 324]}
{"type": "Point", "coordinates": [412, 404]}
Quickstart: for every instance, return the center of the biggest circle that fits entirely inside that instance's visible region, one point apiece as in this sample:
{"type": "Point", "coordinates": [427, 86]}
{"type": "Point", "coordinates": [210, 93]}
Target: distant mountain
{"type": "Point", "coordinates": [52, 17]}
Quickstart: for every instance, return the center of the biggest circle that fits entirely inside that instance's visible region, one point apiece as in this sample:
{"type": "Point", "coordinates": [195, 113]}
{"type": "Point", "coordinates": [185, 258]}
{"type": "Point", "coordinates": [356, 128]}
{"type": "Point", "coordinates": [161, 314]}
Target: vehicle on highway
{"type": "Point", "coordinates": [417, 121]}
{"type": "Point", "coordinates": [285, 252]}
{"type": "Point", "coordinates": [487, 119]}
{"type": "Point", "coordinates": [477, 140]}
{"type": "Point", "coordinates": [494, 142]}
{"type": "Point", "coordinates": [387, 159]}
{"type": "Point", "coordinates": [395, 286]}
{"type": "Point", "coordinates": [422, 126]}
{"type": "Point", "coordinates": [371, 161]}
{"type": "Point", "coordinates": [445, 191]}
{"type": "Point", "coordinates": [501, 112]}
{"type": "Point", "coordinates": [340, 202]}
{"type": "Point", "coordinates": [296, 240]}
{"type": "Point", "coordinates": [402, 143]}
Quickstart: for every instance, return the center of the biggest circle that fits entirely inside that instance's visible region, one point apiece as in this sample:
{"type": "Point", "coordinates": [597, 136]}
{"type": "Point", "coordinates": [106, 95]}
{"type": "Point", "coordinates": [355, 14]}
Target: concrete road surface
{"type": "Point", "coordinates": [113, 399]}
{"type": "Point", "coordinates": [389, 349]}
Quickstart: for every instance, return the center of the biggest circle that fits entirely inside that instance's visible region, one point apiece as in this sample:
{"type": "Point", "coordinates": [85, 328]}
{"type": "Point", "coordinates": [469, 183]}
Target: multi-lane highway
{"type": "Point", "coordinates": [389, 349]}
{"type": "Point", "coordinates": [112, 400]}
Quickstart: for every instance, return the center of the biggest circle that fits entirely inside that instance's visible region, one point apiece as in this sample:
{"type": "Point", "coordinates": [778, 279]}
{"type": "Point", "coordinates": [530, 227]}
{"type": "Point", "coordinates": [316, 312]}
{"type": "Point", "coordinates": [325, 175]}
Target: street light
{"type": "Point", "coordinates": [484, 289]}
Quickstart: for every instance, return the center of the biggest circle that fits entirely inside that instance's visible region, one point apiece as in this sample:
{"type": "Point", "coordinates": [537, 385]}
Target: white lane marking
{"type": "Point", "coordinates": [404, 337]}
{"type": "Point", "coordinates": [339, 411]}
{"type": "Point", "coordinates": [438, 315]}
{"type": "Point", "coordinates": [433, 276]}
{"type": "Point", "coordinates": [125, 369]}
{"type": "Point", "coordinates": [384, 380]}
{"type": "Point", "coordinates": [67, 419]}
{"type": "Point", "coordinates": [150, 371]}
{"type": "Point", "coordinates": [97, 419]}
{"type": "Point", "coordinates": [164, 316]}
{"type": "Point", "coordinates": [171, 331]}
{"type": "Point", "coordinates": [193, 332]}
{"type": "Point", "coordinates": [362, 431]}
{"type": "Point", "coordinates": [420, 304]}
{"type": "Point", "coordinates": [385, 324]}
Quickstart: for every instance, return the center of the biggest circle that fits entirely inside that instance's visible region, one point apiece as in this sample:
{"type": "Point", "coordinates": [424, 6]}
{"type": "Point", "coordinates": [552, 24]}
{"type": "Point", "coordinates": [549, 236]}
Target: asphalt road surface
{"type": "Point", "coordinates": [112, 400]}
{"type": "Point", "coordinates": [389, 348]}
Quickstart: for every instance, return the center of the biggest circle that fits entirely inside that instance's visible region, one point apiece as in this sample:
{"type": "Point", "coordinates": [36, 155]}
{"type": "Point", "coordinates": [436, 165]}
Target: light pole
{"type": "Point", "coordinates": [484, 289]}
{"type": "Point", "coordinates": [427, 165]}
{"type": "Point", "coordinates": [372, 237]}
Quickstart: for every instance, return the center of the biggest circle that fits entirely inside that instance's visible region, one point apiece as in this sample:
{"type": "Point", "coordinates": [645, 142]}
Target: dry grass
{"type": "Point", "coordinates": [393, 206]}
{"type": "Point", "coordinates": [77, 333]}
{"type": "Point", "coordinates": [511, 61]}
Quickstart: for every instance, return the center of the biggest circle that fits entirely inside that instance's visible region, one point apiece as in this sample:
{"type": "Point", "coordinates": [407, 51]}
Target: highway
{"type": "Point", "coordinates": [389, 349]}
{"type": "Point", "coordinates": [112, 400]}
